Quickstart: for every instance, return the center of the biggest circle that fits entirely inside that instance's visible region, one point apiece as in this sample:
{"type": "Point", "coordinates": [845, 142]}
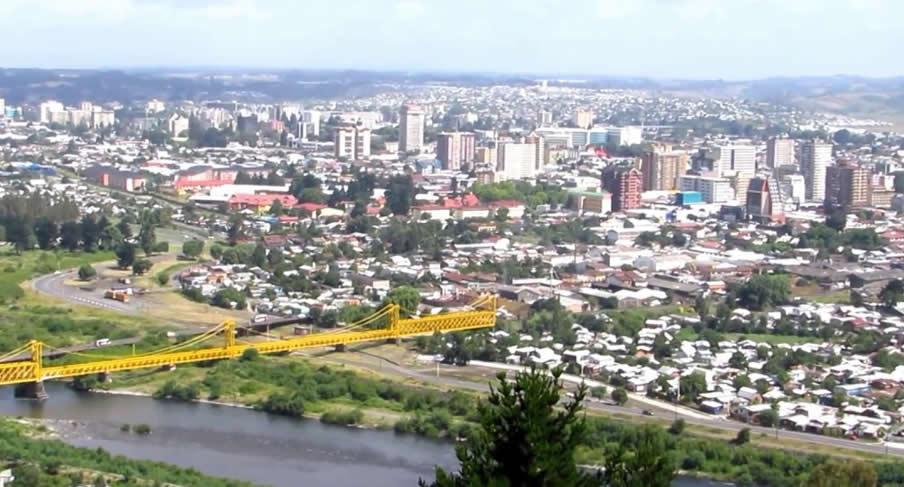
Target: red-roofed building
{"type": "Point", "coordinates": [260, 202]}
{"type": "Point", "coordinates": [310, 207]}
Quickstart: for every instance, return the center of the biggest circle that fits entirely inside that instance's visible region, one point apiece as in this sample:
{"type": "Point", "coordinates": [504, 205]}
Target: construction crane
{"type": "Point", "coordinates": [483, 315]}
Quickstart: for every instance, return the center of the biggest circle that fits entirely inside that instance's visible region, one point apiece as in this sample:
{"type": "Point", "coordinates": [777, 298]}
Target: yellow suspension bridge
{"type": "Point", "coordinates": [483, 315]}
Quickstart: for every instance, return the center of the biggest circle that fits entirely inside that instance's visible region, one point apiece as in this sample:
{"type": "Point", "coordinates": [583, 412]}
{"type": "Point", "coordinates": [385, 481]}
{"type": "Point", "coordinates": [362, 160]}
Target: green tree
{"type": "Point", "coordinates": [763, 291]}
{"type": "Point", "coordinates": [400, 194]}
{"type": "Point", "coordinates": [677, 427]}
{"type": "Point", "coordinates": [124, 228]}
{"type": "Point", "coordinates": [738, 361]}
{"type": "Point", "coordinates": [110, 237]}
{"type": "Point", "coordinates": [141, 266]}
{"type": "Point", "coordinates": [147, 238]}
{"type": "Point", "coordinates": [692, 385]}
{"type": "Point", "coordinates": [86, 272]}
{"type": "Point", "coordinates": [407, 297]}
{"type": "Point", "coordinates": [70, 235]}
{"type": "Point", "coordinates": [743, 437]}
{"type": "Point", "coordinates": [193, 248]}
{"type": "Point", "coordinates": [892, 293]}
{"type": "Point", "coordinates": [524, 438]}
{"type": "Point", "coordinates": [46, 231]}
{"type": "Point", "coordinates": [701, 306]}
{"type": "Point", "coordinates": [620, 396]}
{"type": "Point", "coordinates": [236, 228]}
{"type": "Point", "coordinates": [645, 464]}
{"type": "Point", "coordinates": [216, 251]}
{"type": "Point", "coordinates": [841, 473]}
{"type": "Point", "coordinates": [125, 255]}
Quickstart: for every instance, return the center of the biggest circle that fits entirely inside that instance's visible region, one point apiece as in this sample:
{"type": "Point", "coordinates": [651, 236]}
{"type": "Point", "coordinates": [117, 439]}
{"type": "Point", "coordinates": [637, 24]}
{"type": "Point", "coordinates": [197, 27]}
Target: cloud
{"type": "Point", "coordinates": [409, 9]}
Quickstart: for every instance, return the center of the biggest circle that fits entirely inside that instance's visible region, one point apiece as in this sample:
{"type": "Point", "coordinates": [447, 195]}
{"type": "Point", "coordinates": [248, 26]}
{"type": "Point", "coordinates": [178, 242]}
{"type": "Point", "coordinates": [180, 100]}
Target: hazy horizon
{"type": "Point", "coordinates": [657, 39]}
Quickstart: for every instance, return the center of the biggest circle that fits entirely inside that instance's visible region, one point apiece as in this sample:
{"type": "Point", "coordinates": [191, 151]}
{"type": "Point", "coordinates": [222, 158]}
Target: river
{"type": "Point", "coordinates": [239, 443]}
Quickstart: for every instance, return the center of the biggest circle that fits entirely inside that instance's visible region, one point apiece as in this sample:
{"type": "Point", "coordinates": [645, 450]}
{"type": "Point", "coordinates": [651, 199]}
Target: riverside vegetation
{"type": "Point", "coordinates": [294, 388]}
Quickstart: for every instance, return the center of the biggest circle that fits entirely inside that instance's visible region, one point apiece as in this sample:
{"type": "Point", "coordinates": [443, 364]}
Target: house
{"type": "Point", "coordinates": [6, 477]}
{"type": "Point", "coordinates": [260, 202]}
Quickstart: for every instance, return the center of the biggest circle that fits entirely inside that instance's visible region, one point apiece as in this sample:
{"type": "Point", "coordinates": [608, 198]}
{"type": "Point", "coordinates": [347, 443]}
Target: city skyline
{"type": "Point", "coordinates": [683, 39]}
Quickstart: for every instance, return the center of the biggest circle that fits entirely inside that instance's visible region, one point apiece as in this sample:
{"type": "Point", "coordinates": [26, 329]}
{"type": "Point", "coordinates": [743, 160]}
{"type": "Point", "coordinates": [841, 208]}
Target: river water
{"type": "Point", "coordinates": [239, 443]}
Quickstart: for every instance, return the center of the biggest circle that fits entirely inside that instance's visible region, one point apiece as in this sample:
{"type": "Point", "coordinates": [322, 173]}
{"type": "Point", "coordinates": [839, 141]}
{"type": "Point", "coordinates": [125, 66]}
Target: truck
{"type": "Point", "coordinates": [260, 318]}
{"type": "Point", "coordinates": [117, 296]}
{"type": "Point", "coordinates": [101, 342]}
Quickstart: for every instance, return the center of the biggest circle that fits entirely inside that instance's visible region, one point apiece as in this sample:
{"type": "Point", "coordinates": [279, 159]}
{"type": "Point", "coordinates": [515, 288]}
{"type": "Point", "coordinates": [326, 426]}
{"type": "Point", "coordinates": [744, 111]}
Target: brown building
{"type": "Point", "coordinates": [848, 185]}
{"type": "Point", "coordinates": [661, 169]}
{"type": "Point", "coordinates": [625, 184]}
{"type": "Point", "coordinates": [454, 149]}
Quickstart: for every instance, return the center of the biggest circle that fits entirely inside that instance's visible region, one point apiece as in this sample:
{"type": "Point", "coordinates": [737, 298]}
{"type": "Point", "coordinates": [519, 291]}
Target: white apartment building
{"type": "Point", "coordinates": [47, 110]}
{"type": "Point", "coordinates": [516, 161]}
{"type": "Point", "coordinates": [815, 157]}
{"type": "Point", "coordinates": [411, 128]}
{"type": "Point", "coordinates": [779, 152]}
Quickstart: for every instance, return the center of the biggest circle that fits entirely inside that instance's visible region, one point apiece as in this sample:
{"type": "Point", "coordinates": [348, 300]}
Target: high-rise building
{"type": "Point", "coordinates": [848, 185]}
{"type": "Point", "coordinates": [351, 142]}
{"type": "Point", "coordinates": [763, 203]}
{"type": "Point", "coordinates": [815, 157]}
{"type": "Point", "coordinates": [86, 106]}
{"type": "Point", "coordinates": [583, 119]}
{"type": "Point", "coordinates": [794, 186]}
{"type": "Point", "coordinates": [310, 123]}
{"type": "Point", "coordinates": [662, 168]}
{"type": "Point", "coordinates": [48, 109]}
{"type": "Point", "coordinates": [2, 107]}
{"type": "Point", "coordinates": [779, 152]}
{"type": "Point", "coordinates": [411, 128]}
{"type": "Point", "coordinates": [246, 123]}
{"type": "Point", "coordinates": [736, 162]}
{"type": "Point", "coordinates": [625, 183]}
{"type": "Point", "coordinates": [540, 145]}
{"type": "Point", "coordinates": [454, 149]}
{"type": "Point", "coordinates": [516, 160]}
{"type": "Point", "coordinates": [486, 155]}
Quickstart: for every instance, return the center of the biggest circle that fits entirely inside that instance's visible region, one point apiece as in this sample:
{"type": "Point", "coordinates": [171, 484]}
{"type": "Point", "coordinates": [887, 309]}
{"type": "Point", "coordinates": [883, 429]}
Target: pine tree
{"type": "Point", "coordinates": [524, 439]}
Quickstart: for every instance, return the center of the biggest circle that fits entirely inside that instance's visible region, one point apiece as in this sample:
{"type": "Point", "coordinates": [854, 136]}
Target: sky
{"type": "Point", "coordinates": [687, 39]}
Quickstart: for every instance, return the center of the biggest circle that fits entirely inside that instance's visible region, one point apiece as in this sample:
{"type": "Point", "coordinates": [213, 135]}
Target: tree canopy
{"type": "Point", "coordinates": [524, 438]}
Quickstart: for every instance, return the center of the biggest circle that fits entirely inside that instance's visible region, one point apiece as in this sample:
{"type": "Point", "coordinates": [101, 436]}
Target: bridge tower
{"type": "Point", "coordinates": [34, 390]}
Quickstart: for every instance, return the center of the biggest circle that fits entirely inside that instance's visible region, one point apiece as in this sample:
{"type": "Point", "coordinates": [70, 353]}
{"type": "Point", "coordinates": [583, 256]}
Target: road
{"type": "Point", "coordinates": [381, 365]}
{"type": "Point", "coordinates": [52, 284]}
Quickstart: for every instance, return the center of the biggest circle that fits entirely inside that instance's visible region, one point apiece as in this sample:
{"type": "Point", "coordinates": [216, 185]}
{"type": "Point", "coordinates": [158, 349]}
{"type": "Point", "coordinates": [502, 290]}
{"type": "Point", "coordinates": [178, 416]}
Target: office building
{"type": "Point", "coordinates": [815, 157]}
{"type": "Point", "coordinates": [2, 107]}
{"type": "Point", "coordinates": [661, 169]}
{"type": "Point", "coordinates": [592, 202]}
{"type": "Point", "coordinates": [454, 149]}
{"type": "Point", "coordinates": [583, 119]}
{"type": "Point", "coordinates": [351, 142]}
{"type": "Point", "coordinates": [713, 189]}
{"type": "Point", "coordinates": [625, 183]}
{"type": "Point", "coordinates": [516, 160]}
{"type": "Point", "coordinates": [848, 185]}
{"type": "Point", "coordinates": [176, 124]}
{"type": "Point", "coordinates": [763, 204]}
{"type": "Point", "coordinates": [779, 152]}
{"type": "Point", "coordinates": [411, 128]}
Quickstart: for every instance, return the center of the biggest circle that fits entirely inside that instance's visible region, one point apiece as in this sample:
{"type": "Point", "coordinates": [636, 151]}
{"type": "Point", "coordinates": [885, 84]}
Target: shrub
{"type": "Point", "coordinates": [86, 272]}
{"type": "Point", "coordinates": [142, 429]}
{"type": "Point", "coordinates": [343, 418]}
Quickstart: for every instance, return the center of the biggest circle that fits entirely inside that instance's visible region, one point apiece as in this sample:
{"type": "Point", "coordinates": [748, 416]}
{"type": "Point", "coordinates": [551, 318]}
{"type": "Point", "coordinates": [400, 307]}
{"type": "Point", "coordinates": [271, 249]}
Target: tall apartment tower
{"type": "Point", "coordinates": [762, 202]}
{"type": "Point", "coordinates": [454, 149]}
{"type": "Point", "coordinates": [625, 183]}
{"type": "Point", "coordinates": [848, 185]}
{"type": "Point", "coordinates": [779, 152]}
{"type": "Point", "coordinates": [411, 128]}
{"type": "Point", "coordinates": [516, 160]}
{"type": "Point", "coordinates": [815, 157]}
{"type": "Point", "coordinates": [662, 168]}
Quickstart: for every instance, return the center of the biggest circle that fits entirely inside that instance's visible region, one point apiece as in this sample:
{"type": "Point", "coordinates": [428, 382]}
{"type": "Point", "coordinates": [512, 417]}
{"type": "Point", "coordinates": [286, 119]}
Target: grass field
{"type": "Point", "coordinates": [175, 307]}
